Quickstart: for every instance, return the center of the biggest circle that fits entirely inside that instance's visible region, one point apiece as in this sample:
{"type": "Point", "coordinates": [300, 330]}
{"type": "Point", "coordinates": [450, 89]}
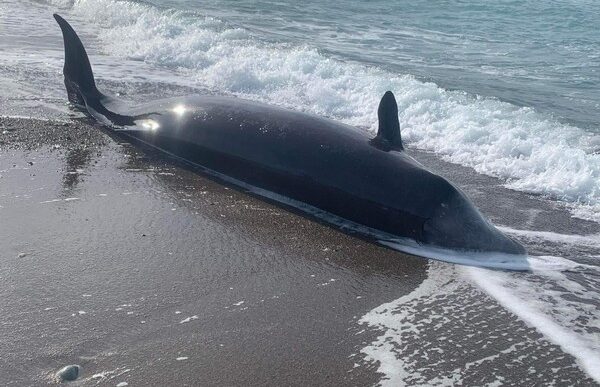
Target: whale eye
{"type": "Point", "coordinates": [179, 110]}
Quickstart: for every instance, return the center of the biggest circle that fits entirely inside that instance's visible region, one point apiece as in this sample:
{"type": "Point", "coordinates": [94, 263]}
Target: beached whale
{"type": "Point", "coordinates": [312, 163]}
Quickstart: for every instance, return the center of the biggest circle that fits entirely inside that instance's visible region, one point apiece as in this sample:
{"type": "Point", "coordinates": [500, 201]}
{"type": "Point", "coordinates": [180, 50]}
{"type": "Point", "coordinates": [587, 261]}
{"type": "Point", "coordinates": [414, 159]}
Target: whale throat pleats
{"type": "Point", "coordinates": [389, 126]}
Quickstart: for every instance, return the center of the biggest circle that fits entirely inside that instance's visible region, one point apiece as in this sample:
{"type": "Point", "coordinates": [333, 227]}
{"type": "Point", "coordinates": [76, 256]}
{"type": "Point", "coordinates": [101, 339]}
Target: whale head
{"type": "Point", "coordinates": [456, 224]}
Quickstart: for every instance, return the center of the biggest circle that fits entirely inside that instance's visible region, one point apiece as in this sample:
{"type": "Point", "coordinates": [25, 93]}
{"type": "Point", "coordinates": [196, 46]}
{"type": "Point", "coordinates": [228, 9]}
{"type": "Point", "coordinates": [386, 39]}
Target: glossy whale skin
{"type": "Point", "coordinates": [334, 167]}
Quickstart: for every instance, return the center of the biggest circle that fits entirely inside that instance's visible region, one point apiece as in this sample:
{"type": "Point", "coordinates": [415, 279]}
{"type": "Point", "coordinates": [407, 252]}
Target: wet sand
{"type": "Point", "coordinates": [142, 270]}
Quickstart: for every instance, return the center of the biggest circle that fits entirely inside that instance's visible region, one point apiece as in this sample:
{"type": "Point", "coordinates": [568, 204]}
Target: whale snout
{"type": "Point", "coordinates": [456, 224]}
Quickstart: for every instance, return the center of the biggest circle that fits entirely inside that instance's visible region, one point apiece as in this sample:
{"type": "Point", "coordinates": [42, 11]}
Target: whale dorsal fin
{"type": "Point", "coordinates": [389, 126]}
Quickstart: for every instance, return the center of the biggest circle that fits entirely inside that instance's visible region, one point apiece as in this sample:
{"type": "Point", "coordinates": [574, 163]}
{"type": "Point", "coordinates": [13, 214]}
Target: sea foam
{"type": "Point", "coordinates": [562, 309]}
{"type": "Point", "coordinates": [426, 336]}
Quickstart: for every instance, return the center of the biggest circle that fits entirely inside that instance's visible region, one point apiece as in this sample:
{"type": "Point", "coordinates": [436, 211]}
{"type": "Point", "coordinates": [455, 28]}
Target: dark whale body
{"type": "Point", "coordinates": [324, 164]}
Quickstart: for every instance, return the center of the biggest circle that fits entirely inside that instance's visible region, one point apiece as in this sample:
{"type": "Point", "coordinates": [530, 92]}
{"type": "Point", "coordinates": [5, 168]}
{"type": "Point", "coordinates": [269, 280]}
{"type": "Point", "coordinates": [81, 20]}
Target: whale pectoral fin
{"type": "Point", "coordinates": [388, 135]}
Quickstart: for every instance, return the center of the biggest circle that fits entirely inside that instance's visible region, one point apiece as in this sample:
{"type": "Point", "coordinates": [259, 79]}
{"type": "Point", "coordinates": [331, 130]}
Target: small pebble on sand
{"type": "Point", "coordinates": [68, 373]}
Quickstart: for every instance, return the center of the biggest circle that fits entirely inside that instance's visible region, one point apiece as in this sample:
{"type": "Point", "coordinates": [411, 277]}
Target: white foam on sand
{"type": "Point", "coordinates": [188, 319]}
{"type": "Point", "coordinates": [561, 305]}
{"type": "Point", "coordinates": [558, 301]}
{"type": "Point", "coordinates": [556, 307]}
{"type": "Point", "coordinates": [391, 318]}
{"type": "Point", "coordinates": [59, 200]}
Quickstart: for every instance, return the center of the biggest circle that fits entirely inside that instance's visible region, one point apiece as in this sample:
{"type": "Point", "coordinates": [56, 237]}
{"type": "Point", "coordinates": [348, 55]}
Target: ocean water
{"type": "Point", "coordinates": [511, 89]}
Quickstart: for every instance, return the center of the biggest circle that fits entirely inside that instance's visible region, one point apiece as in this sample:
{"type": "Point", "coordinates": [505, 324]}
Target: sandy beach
{"type": "Point", "coordinates": [143, 271]}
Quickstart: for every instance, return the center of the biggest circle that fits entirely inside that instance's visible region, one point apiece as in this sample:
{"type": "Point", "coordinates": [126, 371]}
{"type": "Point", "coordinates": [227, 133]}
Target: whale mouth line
{"type": "Point", "coordinates": [483, 259]}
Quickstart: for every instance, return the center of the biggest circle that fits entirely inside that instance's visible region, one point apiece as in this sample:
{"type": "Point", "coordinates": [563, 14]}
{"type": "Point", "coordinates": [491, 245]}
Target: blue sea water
{"type": "Point", "coordinates": [544, 55]}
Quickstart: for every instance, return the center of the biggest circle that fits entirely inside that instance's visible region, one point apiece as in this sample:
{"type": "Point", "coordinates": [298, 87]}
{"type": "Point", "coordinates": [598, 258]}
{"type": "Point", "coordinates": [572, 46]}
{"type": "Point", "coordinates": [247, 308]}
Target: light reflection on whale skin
{"type": "Point", "coordinates": [179, 110]}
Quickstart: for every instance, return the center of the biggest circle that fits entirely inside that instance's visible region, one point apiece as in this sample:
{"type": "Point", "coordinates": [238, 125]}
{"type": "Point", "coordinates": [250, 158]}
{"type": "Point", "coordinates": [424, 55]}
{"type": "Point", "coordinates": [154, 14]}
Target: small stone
{"type": "Point", "coordinates": [68, 373]}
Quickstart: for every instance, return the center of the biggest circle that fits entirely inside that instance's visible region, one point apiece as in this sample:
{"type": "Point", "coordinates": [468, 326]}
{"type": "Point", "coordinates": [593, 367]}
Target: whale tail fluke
{"type": "Point", "coordinates": [79, 79]}
{"type": "Point", "coordinates": [389, 126]}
